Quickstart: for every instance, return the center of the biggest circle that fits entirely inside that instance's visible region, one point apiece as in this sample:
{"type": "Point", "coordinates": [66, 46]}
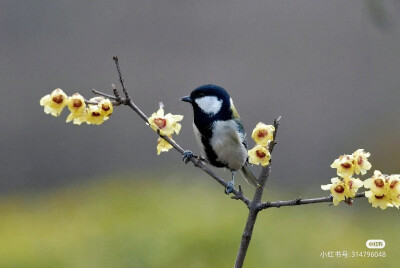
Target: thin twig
{"type": "Point", "coordinates": [116, 93]}
{"type": "Point", "coordinates": [300, 201]}
{"type": "Point", "coordinates": [104, 94]}
{"type": "Point", "coordinates": [276, 125]}
{"type": "Point", "coordinates": [115, 58]}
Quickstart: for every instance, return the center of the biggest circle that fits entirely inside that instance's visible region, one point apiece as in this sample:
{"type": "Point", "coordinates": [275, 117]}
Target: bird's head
{"type": "Point", "coordinates": [211, 101]}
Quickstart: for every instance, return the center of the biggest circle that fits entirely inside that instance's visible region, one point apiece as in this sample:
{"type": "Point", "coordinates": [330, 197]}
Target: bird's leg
{"type": "Point", "coordinates": [230, 186]}
{"type": "Point", "coordinates": [187, 155]}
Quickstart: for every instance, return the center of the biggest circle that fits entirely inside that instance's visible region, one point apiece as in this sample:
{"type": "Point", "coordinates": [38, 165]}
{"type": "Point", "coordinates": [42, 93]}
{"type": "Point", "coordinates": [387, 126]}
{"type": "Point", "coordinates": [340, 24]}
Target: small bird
{"type": "Point", "coordinates": [219, 132]}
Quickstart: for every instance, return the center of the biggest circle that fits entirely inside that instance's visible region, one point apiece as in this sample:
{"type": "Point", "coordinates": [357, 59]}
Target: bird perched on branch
{"type": "Point", "coordinates": [219, 132]}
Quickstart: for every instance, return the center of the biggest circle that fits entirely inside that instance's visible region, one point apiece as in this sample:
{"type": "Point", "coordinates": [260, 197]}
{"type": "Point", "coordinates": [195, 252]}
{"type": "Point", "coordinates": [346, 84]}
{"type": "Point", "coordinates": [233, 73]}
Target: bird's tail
{"type": "Point", "coordinates": [248, 175]}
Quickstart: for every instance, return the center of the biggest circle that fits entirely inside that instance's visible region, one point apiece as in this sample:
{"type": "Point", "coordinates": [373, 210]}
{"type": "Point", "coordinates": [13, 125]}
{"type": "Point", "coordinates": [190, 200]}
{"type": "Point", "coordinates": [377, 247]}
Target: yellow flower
{"type": "Point", "coordinates": [259, 155]}
{"type": "Point", "coordinates": [376, 200]}
{"type": "Point", "coordinates": [377, 183]}
{"type": "Point", "coordinates": [342, 189]}
{"type": "Point", "coordinates": [55, 102]}
{"type": "Point", "coordinates": [361, 164]}
{"type": "Point", "coordinates": [344, 165]}
{"type": "Point", "coordinates": [351, 186]}
{"type": "Point", "coordinates": [167, 124]}
{"type": "Point", "coordinates": [393, 190]}
{"type": "Point", "coordinates": [263, 134]}
{"type": "Point", "coordinates": [163, 145]}
{"type": "Point", "coordinates": [106, 107]}
{"type": "Point", "coordinates": [76, 105]}
{"type": "Point", "coordinates": [94, 116]}
{"type": "Point", "coordinates": [337, 188]}
{"type": "Point", "coordinates": [384, 190]}
{"type": "Point", "coordinates": [97, 113]}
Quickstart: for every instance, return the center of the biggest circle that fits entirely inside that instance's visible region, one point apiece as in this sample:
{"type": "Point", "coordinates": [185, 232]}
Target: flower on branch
{"type": "Point", "coordinates": [384, 190]}
{"type": "Point", "coordinates": [106, 107]}
{"type": "Point", "coordinates": [377, 183]}
{"type": "Point", "coordinates": [259, 155]}
{"type": "Point", "coordinates": [54, 102]}
{"type": "Point", "coordinates": [95, 114]}
{"type": "Point", "coordinates": [361, 164]}
{"type": "Point", "coordinates": [262, 134]}
{"type": "Point", "coordinates": [167, 124]}
{"type": "Point", "coordinates": [77, 107]}
{"type": "Point", "coordinates": [342, 189]}
{"type": "Point", "coordinates": [352, 186]}
{"type": "Point", "coordinates": [381, 201]}
{"type": "Point", "coordinates": [357, 162]}
{"type": "Point", "coordinates": [344, 165]}
{"type": "Point", "coordinates": [394, 190]}
{"type": "Point", "coordinates": [163, 145]}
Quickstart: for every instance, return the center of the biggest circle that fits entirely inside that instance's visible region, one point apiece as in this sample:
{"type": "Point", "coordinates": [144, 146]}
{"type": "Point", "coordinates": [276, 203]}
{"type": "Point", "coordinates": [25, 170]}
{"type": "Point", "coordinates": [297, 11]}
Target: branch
{"type": "Point", "coordinates": [300, 201]}
{"type": "Point", "coordinates": [107, 95]}
{"type": "Point", "coordinates": [254, 205]}
{"type": "Point", "coordinates": [115, 58]}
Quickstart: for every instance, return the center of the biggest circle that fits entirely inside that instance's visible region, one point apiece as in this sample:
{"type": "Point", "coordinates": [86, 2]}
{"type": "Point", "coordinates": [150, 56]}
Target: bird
{"type": "Point", "coordinates": [219, 132]}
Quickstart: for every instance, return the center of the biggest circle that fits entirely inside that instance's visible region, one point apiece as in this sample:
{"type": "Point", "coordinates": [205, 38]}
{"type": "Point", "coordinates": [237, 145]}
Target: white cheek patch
{"type": "Point", "coordinates": [209, 104]}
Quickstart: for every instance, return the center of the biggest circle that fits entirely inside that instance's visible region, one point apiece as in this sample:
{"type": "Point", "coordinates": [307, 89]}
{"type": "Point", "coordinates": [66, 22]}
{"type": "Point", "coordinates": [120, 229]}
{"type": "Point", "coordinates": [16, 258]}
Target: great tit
{"type": "Point", "coordinates": [219, 132]}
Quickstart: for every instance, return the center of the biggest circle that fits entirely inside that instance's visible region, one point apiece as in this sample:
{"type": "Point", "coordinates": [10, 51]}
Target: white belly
{"type": "Point", "coordinates": [227, 144]}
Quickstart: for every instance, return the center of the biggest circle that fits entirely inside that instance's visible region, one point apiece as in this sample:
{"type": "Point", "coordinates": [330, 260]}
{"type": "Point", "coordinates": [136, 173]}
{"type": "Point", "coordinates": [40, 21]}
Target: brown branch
{"type": "Point", "coordinates": [115, 58]}
{"type": "Point", "coordinates": [106, 95]}
{"type": "Point", "coordinates": [299, 201]}
{"type": "Point", "coordinates": [254, 205]}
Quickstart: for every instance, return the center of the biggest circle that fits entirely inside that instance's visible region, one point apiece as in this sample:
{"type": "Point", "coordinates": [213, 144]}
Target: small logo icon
{"type": "Point", "coordinates": [375, 243]}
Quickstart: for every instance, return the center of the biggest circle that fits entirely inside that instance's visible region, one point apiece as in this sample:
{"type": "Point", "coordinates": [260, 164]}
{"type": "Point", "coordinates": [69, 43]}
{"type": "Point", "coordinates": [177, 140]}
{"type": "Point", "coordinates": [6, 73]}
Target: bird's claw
{"type": "Point", "coordinates": [187, 155]}
{"type": "Point", "coordinates": [229, 187]}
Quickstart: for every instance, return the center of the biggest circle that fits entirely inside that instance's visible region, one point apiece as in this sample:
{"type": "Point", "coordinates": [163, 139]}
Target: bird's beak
{"type": "Point", "coordinates": [187, 99]}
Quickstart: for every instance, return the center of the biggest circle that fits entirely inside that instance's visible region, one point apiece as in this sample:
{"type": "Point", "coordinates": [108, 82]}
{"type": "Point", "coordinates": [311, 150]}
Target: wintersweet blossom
{"type": "Point", "coordinates": [163, 145]}
{"type": "Point", "coordinates": [106, 107]}
{"type": "Point", "coordinates": [361, 164]}
{"type": "Point", "coordinates": [94, 115]}
{"type": "Point", "coordinates": [344, 165]}
{"type": "Point", "coordinates": [259, 155]}
{"type": "Point", "coordinates": [343, 189]}
{"type": "Point", "coordinates": [337, 188]}
{"type": "Point", "coordinates": [262, 134]}
{"type": "Point", "coordinates": [393, 191]}
{"type": "Point", "coordinates": [381, 201]}
{"type": "Point", "coordinates": [352, 186]}
{"type": "Point", "coordinates": [377, 183]}
{"type": "Point", "coordinates": [384, 191]}
{"type": "Point", "coordinates": [54, 102]}
{"type": "Point", "coordinates": [167, 124]}
{"type": "Point", "coordinates": [77, 107]}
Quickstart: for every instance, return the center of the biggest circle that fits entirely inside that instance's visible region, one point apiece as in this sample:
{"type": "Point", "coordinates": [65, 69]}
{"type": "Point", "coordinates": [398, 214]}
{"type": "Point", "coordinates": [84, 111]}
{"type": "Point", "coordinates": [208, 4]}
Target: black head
{"type": "Point", "coordinates": [210, 101]}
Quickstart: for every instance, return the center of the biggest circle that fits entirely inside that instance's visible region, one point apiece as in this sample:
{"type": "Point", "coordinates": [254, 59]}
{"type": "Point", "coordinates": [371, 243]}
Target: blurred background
{"type": "Point", "coordinates": [99, 196]}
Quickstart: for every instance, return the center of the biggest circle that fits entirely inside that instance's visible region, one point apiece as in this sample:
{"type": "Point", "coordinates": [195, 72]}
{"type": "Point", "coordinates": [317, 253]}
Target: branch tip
{"type": "Point", "coordinates": [277, 120]}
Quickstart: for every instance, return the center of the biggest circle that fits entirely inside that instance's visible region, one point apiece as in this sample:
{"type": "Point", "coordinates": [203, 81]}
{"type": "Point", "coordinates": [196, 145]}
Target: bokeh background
{"type": "Point", "coordinates": [99, 196]}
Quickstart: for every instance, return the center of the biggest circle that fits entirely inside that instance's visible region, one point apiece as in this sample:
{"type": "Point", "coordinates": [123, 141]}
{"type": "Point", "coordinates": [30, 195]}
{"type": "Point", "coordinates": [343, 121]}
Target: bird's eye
{"type": "Point", "coordinates": [201, 95]}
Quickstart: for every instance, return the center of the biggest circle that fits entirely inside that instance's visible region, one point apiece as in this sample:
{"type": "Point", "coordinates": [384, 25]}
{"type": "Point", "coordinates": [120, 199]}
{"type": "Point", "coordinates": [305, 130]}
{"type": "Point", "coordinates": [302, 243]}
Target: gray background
{"type": "Point", "coordinates": [330, 68]}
